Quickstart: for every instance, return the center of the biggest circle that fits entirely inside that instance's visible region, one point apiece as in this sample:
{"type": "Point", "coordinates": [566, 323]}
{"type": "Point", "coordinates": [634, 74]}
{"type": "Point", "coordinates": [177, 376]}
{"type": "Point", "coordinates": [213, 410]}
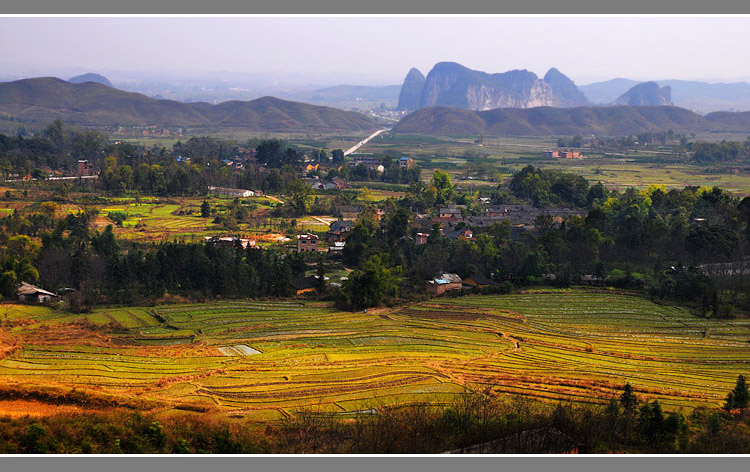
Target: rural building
{"type": "Point", "coordinates": [231, 241]}
{"type": "Point", "coordinates": [422, 238]}
{"type": "Point", "coordinates": [337, 247]}
{"type": "Point", "coordinates": [307, 243]}
{"type": "Point", "coordinates": [32, 294]}
{"type": "Point", "coordinates": [85, 167]}
{"type": "Point", "coordinates": [444, 283]}
{"type": "Point", "coordinates": [329, 166]}
{"type": "Point", "coordinates": [350, 212]}
{"type": "Point", "coordinates": [406, 163]}
{"type": "Point", "coordinates": [340, 183]}
{"type": "Point", "coordinates": [318, 184]}
{"type": "Point", "coordinates": [339, 229]}
{"type": "Point", "coordinates": [477, 280]}
{"type": "Point", "coordinates": [562, 154]}
{"type": "Point", "coordinates": [231, 192]}
{"type": "Point", "coordinates": [461, 234]}
{"type": "Point", "coordinates": [451, 211]}
{"type": "Point", "coordinates": [570, 155]}
{"type": "Point", "coordinates": [304, 284]}
{"type": "Point", "coordinates": [368, 161]}
{"type": "Point", "coordinates": [496, 211]}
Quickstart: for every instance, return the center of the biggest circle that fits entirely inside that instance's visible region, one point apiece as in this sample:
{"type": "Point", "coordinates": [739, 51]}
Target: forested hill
{"type": "Point", "coordinates": [45, 99]}
{"type": "Point", "coordinates": [544, 121]}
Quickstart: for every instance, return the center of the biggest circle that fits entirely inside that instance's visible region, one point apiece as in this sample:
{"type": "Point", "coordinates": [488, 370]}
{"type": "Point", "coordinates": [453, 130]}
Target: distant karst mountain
{"type": "Point", "coordinates": [453, 85]}
{"type": "Point", "coordinates": [42, 100]}
{"type": "Point", "coordinates": [411, 90]}
{"type": "Point", "coordinates": [607, 91]}
{"type": "Point", "coordinates": [565, 90]}
{"type": "Point", "coordinates": [90, 77]}
{"type": "Point", "coordinates": [646, 94]}
{"type": "Point", "coordinates": [550, 121]}
{"type": "Point", "coordinates": [694, 95]}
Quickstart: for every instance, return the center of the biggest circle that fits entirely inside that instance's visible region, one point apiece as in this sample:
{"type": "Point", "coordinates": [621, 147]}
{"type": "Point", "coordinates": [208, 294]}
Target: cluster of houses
{"type": "Point", "coordinates": [520, 217]}
{"type": "Point", "coordinates": [562, 154]}
{"type": "Point", "coordinates": [231, 241]}
{"type": "Point", "coordinates": [453, 221]}
{"type": "Point", "coordinates": [336, 183]}
{"type": "Point", "coordinates": [448, 282]}
{"type": "Point", "coordinates": [335, 236]}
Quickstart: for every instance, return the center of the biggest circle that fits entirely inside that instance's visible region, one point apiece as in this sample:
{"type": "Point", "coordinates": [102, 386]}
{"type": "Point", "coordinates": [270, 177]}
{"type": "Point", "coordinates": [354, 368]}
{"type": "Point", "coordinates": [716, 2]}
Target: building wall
{"type": "Point", "coordinates": [307, 245]}
{"type": "Point", "coordinates": [439, 289]}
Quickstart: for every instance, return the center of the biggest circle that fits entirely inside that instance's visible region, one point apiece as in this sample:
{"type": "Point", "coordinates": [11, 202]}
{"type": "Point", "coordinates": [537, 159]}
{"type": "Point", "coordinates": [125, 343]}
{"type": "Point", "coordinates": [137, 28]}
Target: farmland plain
{"type": "Point", "coordinates": [264, 359]}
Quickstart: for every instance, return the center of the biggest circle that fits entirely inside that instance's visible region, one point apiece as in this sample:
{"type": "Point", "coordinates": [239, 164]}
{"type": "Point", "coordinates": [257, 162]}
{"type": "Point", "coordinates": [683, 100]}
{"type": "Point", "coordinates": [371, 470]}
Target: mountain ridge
{"type": "Point", "coordinates": [547, 121]}
{"type": "Point", "coordinates": [93, 104]}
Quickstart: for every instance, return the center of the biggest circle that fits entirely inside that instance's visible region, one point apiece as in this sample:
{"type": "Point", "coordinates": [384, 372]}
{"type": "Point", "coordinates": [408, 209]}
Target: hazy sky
{"type": "Point", "coordinates": [378, 50]}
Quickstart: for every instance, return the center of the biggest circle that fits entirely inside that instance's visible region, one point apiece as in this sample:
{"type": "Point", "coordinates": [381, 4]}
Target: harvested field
{"type": "Point", "coordinates": [238, 350]}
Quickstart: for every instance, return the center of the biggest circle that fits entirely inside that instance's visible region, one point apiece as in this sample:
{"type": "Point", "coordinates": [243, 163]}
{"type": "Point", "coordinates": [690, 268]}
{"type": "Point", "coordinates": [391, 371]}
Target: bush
{"type": "Point", "coordinates": [118, 216]}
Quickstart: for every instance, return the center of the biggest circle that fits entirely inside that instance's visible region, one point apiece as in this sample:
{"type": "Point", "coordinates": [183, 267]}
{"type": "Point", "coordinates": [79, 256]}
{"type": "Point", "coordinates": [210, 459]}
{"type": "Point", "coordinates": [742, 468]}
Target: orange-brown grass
{"type": "Point", "coordinates": [8, 344]}
{"type": "Point", "coordinates": [67, 334]}
{"type": "Point", "coordinates": [19, 408]}
{"type": "Point", "coordinates": [167, 381]}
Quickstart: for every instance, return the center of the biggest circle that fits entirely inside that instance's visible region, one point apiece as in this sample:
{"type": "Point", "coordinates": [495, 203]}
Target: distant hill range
{"type": "Point", "coordinates": [42, 100]}
{"type": "Point", "coordinates": [453, 85]}
{"type": "Point", "coordinates": [700, 96]}
{"type": "Point", "coordinates": [549, 121]}
{"type": "Point", "coordinates": [90, 77]}
{"type": "Point", "coordinates": [647, 94]}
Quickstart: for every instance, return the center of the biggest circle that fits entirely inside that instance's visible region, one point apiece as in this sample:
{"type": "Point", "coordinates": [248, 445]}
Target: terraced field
{"type": "Point", "coordinates": [261, 359]}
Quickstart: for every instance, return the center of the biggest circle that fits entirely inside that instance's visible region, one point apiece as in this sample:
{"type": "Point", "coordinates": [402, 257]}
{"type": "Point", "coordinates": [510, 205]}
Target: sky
{"type": "Point", "coordinates": [375, 50]}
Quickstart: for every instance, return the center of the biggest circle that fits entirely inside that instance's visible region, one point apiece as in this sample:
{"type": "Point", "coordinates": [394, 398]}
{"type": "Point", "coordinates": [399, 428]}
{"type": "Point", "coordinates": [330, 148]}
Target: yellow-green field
{"type": "Point", "coordinates": [260, 359]}
{"type": "Point", "coordinates": [180, 219]}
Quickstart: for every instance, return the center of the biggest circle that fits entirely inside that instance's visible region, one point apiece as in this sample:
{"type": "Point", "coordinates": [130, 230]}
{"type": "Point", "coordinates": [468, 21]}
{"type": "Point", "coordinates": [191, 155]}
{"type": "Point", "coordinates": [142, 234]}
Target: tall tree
{"type": "Point", "coordinates": [741, 395]}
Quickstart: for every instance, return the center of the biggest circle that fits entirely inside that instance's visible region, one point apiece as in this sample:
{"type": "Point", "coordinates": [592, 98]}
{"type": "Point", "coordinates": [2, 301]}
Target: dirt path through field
{"type": "Point", "coordinates": [325, 222]}
{"type": "Point", "coordinates": [271, 197]}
